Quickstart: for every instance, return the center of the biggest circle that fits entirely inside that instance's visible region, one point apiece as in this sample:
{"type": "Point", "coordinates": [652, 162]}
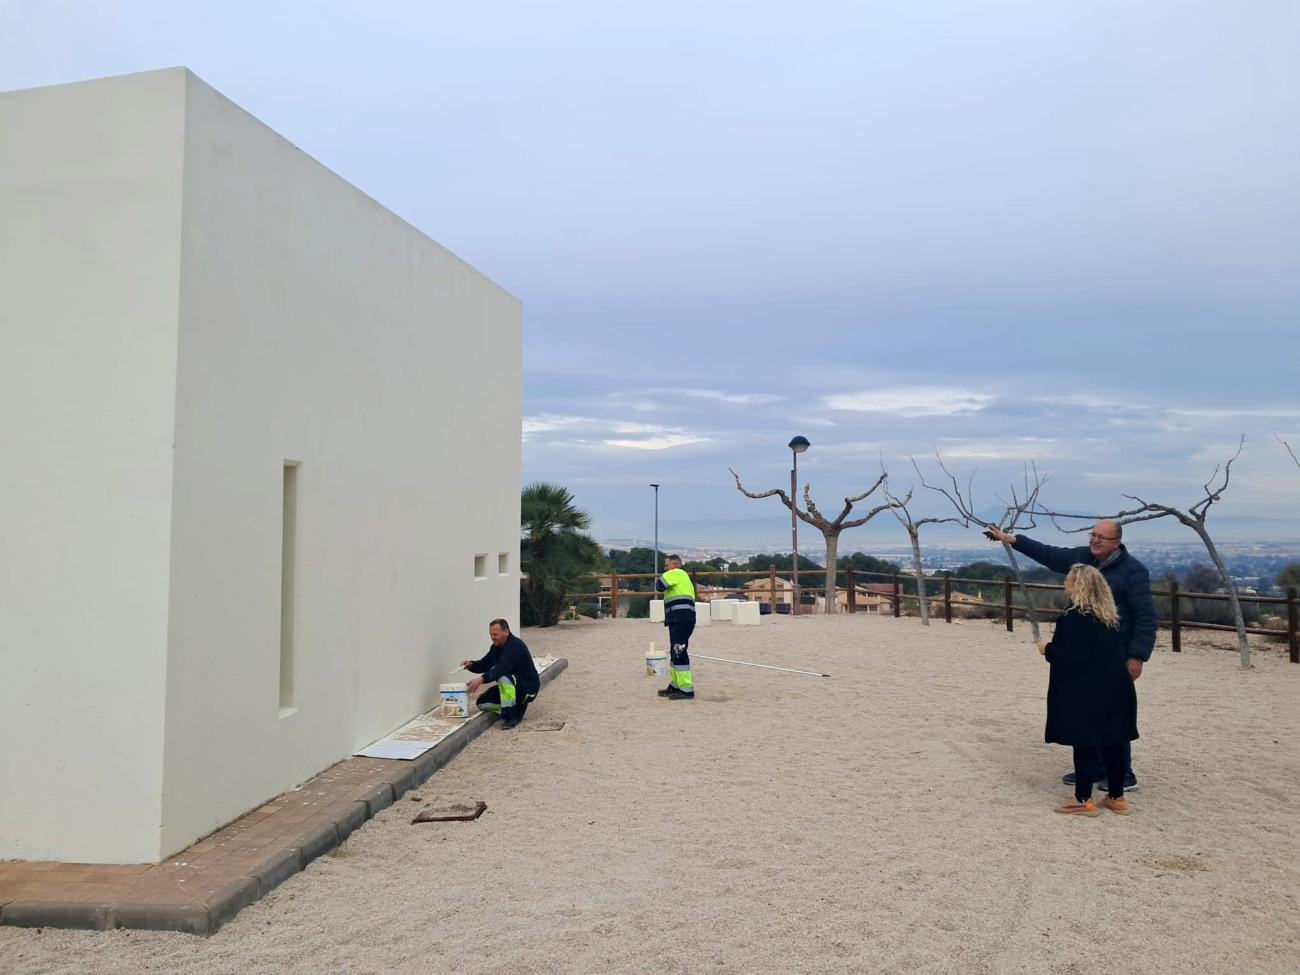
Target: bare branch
{"type": "Point", "coordinates": [867, 517]}
{"type": "Point", "coordinates": [849, 502]}
{"type": "Point", "coordinates": [1288, 449]}
{"type": "Point", "coordinates": [785, 498]}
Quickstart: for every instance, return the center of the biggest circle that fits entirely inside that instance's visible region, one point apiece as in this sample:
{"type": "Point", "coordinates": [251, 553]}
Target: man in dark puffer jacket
{"type": "Point", "coordinates": [1128, 580]}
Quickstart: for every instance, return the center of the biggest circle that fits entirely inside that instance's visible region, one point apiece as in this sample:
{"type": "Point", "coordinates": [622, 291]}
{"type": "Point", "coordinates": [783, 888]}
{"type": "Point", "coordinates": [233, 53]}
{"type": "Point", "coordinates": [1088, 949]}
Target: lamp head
{"type": "Point", "coordinates": [799, 444]}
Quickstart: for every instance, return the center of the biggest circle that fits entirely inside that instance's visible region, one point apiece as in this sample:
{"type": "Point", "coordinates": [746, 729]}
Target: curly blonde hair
{"type": "Point", "coordinates": [1091, 594]}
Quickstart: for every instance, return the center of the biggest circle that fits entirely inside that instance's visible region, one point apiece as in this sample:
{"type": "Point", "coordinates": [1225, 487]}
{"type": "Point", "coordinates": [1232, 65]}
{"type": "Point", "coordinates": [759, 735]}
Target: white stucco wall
{"type": "Point", "coordinates": [318, 327]}
{"type": "Point", "coordinates": [90, 222]}
{"type": "Point", "coordinates": [255, 309]}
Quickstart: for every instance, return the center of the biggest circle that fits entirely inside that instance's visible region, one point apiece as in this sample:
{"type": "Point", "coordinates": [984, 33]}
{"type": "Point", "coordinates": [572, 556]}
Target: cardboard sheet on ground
{"type": "Point", "coordinates": [416, 737]}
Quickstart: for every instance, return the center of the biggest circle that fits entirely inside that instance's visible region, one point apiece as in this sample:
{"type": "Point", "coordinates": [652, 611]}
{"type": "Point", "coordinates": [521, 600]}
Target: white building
{"type": "Point", "coordinates": [261, 446]}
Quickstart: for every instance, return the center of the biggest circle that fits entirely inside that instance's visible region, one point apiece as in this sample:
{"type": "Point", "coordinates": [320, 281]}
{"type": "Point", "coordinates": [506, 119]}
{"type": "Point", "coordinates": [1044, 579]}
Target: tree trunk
{"type": "Point", "coordinates": [832, 556]}
{"type": "Point", "coordinates": [923, 599]}
{"type": "Point", "coordinates": [1024, 592]}
{"type": "Point", "coordinates": [1242, 642]}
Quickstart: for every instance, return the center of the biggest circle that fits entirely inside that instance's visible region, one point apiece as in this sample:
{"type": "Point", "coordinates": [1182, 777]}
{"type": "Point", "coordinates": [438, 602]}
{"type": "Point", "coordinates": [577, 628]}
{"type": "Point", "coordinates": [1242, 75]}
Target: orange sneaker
{"type": "Point", "coordinates": [1119, 805]}
{"type": "Point", "coordinates": [1073, 807]}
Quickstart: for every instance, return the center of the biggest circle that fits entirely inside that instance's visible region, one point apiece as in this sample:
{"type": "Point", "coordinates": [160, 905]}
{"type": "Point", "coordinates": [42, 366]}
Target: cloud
{"type": "Point", "coordinates": [1227, 414]}
{"type": "Point", "coordinates": [661, 442]}
{"type": "Point", "coordinates": [637, 428]}
{"type": "Point", "coordinates": [743, 399]}
{"type": "Point", "coordinates": [1016, 448]}
{"type": "Point", "coordinates": [550, 421]}
{"type": "Point", "coordinates": [1090, 401]}
{"type": "Point", "coordinates": [911, 401]}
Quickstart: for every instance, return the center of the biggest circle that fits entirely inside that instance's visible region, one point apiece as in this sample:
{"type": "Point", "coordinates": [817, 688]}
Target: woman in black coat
{"type": "Point", "coordinates": [1090, 698]}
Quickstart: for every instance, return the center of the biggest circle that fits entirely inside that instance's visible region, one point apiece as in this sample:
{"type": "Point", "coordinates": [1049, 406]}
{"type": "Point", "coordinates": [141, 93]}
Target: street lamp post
{"type": "Point", "coordinates": [797, 446]}
{"type": "Point", "coordinates": [656, 487]}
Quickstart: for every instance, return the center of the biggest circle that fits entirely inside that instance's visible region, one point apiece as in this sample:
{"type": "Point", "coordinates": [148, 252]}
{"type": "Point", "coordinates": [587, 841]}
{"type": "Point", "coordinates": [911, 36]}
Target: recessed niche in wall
{"type": "Point", "coordinates": [480, 566]}
{"type": "Point", "coordinates": [503, 564]}
{"type": "Point", "coordinates": [288, 572]}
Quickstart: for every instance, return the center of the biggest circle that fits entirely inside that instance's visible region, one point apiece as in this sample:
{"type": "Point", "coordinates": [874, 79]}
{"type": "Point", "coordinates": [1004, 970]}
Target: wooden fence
{"type": "Point", "coordinates": [776, 591]}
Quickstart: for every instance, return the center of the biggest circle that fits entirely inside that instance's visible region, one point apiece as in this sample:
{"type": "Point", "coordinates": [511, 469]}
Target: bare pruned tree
{"type": "Point", "coordinates": [1288, 450]}
{"type": "Point", "coordinates": [913, 527]}
{"type": "Point", "coordinates": [1194, 518]}
{"type": "Point", "coordinates": [830, 529]}
{"type": "Point", "coordinates": [1017, 516]}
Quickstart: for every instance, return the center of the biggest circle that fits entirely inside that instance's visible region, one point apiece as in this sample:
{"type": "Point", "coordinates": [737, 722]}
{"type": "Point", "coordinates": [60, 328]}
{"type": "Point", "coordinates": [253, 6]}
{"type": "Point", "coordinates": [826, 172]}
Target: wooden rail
{"type": "Point", "coordinates": [1009, 609]}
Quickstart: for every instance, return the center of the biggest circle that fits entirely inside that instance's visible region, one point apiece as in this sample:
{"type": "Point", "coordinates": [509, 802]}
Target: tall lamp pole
{"type": "Point", "coordinates": [656, 487]}
{"type": "Point", "coordinates": [797, 446]}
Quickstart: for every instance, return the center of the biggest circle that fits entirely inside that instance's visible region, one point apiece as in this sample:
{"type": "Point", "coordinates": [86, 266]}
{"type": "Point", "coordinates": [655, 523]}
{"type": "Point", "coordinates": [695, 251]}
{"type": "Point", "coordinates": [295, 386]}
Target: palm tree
{"type": "Point", "coordinates": [556, 551]}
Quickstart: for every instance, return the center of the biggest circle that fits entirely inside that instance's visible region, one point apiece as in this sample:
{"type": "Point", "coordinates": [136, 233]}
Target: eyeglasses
{"type": "Point", "coordinates": [1103, 538]}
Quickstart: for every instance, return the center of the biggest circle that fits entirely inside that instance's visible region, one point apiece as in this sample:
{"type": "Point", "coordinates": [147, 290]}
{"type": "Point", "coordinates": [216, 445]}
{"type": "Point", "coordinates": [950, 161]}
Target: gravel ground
{"type": "Point", "coordinates": [895, 818]}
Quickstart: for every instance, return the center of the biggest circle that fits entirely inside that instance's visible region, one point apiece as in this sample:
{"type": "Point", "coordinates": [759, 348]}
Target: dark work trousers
{"type": "Point", "coordinates": [490, 700]}
{"type": "Point", "coordinates": [680, 628]}
{"type": "Point", "coordinates": [1112, 757]}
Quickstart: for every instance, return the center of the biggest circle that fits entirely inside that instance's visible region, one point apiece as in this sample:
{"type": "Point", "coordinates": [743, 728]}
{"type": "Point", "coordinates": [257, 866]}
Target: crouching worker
{"type": "Point", "coordinates": [679, 617]}
{"type": "Point", "coordinates": [509, 666]}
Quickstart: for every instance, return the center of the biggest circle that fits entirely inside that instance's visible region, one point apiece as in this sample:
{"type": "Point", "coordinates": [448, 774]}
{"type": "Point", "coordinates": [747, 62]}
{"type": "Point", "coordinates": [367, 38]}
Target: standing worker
{"type": "Point", "coordinates": [679, 617]}
{"type": "Point", "coordinates": [510, 666]}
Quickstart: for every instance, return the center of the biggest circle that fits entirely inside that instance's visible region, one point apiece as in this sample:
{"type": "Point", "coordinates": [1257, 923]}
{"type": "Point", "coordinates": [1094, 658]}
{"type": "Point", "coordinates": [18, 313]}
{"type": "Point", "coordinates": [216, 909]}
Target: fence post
{"type": "Point", "coordinates": [1006, 584]}
{"type": "Point", "coordinates": [897, 598]}
{"type": "Point", "coordinates": [1293, 624]}
{"type": "Point", "coordinates": [613, 594]}
{"type": "Point", "coordinates": [947, 596]}
{"type": "Point", "coordinates": [771, 580]}
{"type": "Point", "coordinates": [1175, 617]}
{"type": "Point", "coordinates": [852, 599]}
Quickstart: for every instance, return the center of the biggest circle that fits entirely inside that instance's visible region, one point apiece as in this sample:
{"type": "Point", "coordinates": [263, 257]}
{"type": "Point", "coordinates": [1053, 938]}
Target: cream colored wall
{"type": "Point", "coordinates": [187, 301]}
{"type": "Point", "coordinates": [318, 327]}
{"type": "Point", "coordinates": [90, 222]}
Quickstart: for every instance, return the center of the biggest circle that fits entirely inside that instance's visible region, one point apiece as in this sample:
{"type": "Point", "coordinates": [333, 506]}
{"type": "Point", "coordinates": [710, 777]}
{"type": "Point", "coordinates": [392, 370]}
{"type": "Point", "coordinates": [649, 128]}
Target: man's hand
{"type": "Point", "coordinates": [474, 684]}
{"type": "Point", "coordinates": [464, 664]}
{"type": "Point", "coordinates": [1042, 647]}
{"type": "Point", "coordinates": [998, 535]}
{"type": "Point", "coordinates": [1134, 667]}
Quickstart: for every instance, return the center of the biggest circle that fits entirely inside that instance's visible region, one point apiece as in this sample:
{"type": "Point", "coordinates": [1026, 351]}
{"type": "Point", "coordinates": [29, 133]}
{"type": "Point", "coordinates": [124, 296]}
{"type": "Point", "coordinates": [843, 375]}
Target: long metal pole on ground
{"type": "Point", "coordinates": [745, 663]}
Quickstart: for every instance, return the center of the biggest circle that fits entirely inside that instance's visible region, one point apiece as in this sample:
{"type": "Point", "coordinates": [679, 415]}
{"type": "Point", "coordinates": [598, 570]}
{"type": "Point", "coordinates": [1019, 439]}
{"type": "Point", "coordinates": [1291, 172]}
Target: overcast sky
{"type": "Point", "coordinates": [1060, 232]}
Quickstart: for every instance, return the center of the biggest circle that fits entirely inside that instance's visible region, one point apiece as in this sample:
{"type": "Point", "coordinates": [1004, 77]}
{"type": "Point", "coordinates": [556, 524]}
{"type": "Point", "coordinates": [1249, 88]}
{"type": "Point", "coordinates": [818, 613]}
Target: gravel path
{"type": "Point", "coordinates": [897, 818]}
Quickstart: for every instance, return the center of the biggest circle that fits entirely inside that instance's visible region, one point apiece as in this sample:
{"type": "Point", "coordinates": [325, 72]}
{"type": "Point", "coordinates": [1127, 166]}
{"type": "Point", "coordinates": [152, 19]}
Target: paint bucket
{"type": "Point", "coordinates": [656, 663]}
{"type": "Point", "coordinates": [455, 700]}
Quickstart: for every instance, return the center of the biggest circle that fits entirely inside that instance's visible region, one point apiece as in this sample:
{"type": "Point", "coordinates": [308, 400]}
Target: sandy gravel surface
{"type": "Point", "coordinates": [894, 819]}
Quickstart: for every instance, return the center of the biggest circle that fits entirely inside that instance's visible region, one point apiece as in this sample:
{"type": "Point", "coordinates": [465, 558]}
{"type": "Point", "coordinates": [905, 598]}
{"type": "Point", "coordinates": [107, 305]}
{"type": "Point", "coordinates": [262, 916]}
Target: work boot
{"type": "Point", "coordinates": [676, 694]}
{"type": "Point", "coordinates": [508, 723]}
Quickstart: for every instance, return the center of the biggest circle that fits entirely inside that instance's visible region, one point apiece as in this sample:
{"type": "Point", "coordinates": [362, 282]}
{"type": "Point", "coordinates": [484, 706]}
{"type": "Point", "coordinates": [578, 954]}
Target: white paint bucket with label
{"type": "Point", "coordinates": [455, 700]}
{"type": "Point", "coordinates": [656, 662]}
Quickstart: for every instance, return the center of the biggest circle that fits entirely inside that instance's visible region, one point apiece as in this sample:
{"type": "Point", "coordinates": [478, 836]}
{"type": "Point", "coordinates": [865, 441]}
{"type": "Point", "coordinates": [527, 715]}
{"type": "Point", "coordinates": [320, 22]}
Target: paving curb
{"type": "Point", "coordinates": [55, 914]}
{"type": "Point", "coordinates": [223, 904]}
{"type": "Point", "coordinates": [185, 918]}
{"type": "Point", "coordinates": [276, 870]}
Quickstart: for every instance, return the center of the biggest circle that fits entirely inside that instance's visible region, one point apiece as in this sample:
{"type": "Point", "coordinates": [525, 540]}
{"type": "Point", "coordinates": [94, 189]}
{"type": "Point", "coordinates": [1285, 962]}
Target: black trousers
{"type": "Point", "coordinates": [1112, 756]}
{"type": "Point", "coordinates": [680, 627]}
{"type": "Point", "coordinates": [490, 700]}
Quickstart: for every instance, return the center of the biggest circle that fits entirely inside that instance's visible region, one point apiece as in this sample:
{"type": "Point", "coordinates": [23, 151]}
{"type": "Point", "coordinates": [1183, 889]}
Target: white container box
{"type": "Point", "coordinates": [747, 614]}
{"type": "Point", "coordinates": [656, 611]}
